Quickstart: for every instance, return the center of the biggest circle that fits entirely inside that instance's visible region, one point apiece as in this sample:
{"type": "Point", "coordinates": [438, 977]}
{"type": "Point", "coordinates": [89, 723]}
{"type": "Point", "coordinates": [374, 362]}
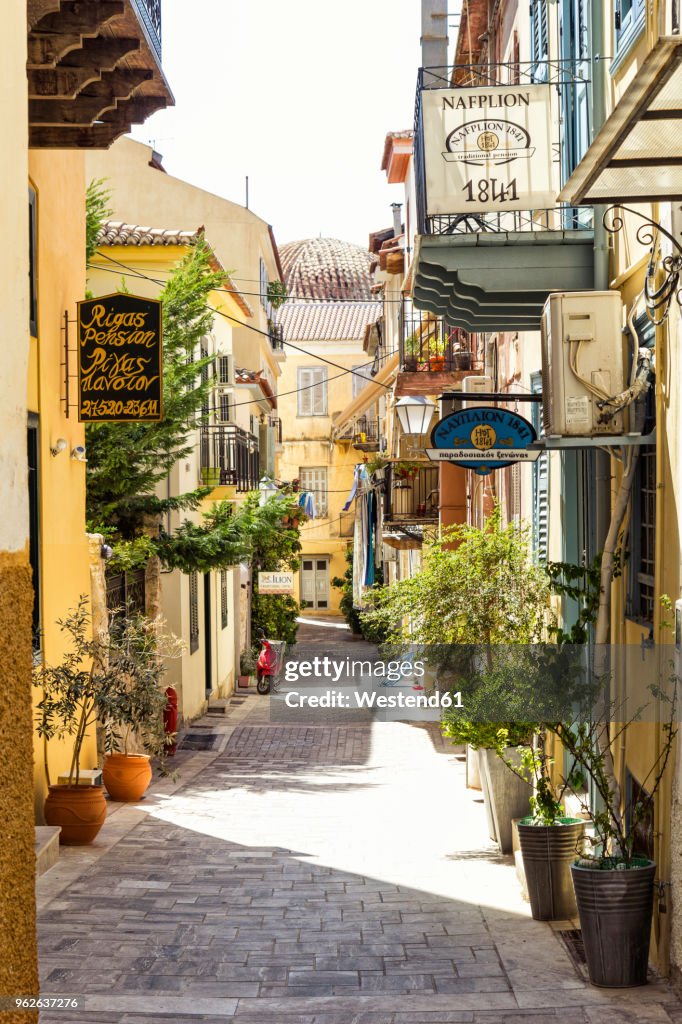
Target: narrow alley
{"type": "Point", "coordinates": [309, 874]}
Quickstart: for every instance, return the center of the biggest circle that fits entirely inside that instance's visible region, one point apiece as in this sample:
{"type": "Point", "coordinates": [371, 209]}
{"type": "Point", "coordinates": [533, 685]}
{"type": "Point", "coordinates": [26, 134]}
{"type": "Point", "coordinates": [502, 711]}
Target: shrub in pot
{"type": "Point", "coordinates": [132, 710]}
{"type": "Point", "coordinates": [68, 706]}
{"type": "Point", "coordinates": [247, 668]}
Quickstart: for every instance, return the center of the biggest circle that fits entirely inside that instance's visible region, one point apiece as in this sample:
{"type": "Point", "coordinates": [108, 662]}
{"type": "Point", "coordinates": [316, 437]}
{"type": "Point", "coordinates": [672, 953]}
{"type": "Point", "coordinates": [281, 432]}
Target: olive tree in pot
{"type": "Point", "coordinates": [132, 713]}
{"type": "Point", "coordinates": [68, 707]}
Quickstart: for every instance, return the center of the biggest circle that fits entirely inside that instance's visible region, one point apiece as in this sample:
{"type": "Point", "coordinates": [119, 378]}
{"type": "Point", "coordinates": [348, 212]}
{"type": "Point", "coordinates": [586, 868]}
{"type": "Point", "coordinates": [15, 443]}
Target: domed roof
{"type": "Point", "coordinates": [326, 268]}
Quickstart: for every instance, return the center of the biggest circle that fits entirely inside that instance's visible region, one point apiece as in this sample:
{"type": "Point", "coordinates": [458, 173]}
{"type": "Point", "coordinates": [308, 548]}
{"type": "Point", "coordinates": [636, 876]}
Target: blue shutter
{"type": "Point", "coordinates": [540, 520]}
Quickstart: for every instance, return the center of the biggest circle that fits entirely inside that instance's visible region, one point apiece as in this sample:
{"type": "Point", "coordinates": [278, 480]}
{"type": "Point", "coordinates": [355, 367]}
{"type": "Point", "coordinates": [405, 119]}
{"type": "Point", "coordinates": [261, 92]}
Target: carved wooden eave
{"type": "Point", "coordinates": [93, 70]}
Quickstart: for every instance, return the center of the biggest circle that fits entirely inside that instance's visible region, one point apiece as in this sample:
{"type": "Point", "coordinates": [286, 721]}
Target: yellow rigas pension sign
{"type": "Point", "coordinates": [120, 370]}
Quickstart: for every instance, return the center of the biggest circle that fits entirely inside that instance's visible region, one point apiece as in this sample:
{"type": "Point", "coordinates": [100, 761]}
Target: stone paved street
{"type": "Point", "coordinates": [310, 874]}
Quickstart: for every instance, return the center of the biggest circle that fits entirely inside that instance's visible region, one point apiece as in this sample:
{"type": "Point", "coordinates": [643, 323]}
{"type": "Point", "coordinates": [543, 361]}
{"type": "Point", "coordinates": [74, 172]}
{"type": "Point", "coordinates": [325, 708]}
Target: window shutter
{"type": "Point", "coordinates": [540, 522]}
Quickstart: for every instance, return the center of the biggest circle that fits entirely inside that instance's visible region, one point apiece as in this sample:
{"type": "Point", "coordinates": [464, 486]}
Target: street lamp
{"type": "Point", "coordinates": [267, 489]}
{"type": "Point", "coordinates": [415, 413]}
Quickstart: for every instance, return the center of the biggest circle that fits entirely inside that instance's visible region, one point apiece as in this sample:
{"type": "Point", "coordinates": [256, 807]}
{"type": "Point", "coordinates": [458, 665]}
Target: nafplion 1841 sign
{"type": "Point", "coordinates": [119, 359]}
{"type": "Point", "coordinates": [483, 438]}
{"type": "Point", "coordinates": [488, 149]}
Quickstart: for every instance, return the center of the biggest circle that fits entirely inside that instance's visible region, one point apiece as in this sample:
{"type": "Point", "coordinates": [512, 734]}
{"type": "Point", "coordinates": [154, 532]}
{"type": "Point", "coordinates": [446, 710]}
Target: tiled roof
{"type": "Point", "coordinates": [327, 321]}
{"type": "Point", "coordinates": [326, 268]}
{"type": "Point", "coordinates": [251, 377]}
{"type": "Point", "coordinates": [116, 232]}
{"type": "Point", "coordinates": [388, 143]}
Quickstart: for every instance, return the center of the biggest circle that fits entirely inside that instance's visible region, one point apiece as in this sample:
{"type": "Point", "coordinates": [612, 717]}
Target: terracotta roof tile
{"type": "Point", "coordinates": [327, 321]}
{"type": "Point", "coordinates": [117, 232]}
{"type": "Point", "coordinates": [327, 268]}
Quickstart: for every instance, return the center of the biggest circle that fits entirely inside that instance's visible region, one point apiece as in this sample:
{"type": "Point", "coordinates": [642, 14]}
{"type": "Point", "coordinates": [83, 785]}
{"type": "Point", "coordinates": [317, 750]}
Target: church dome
{"type": "Point", "coordinates": [326, 268]}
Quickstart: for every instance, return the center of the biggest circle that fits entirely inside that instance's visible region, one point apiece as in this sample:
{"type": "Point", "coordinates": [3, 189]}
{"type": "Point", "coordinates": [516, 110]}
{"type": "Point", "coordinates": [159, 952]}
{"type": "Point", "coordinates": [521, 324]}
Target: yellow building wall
{"type": "Point", "coordinates": [306, 443]}
{"type": "Point", "coordinates": [59, 180]}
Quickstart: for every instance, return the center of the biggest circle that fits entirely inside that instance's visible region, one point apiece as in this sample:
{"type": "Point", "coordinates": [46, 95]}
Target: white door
{"type": "Point", "coordinates": [315, 583]}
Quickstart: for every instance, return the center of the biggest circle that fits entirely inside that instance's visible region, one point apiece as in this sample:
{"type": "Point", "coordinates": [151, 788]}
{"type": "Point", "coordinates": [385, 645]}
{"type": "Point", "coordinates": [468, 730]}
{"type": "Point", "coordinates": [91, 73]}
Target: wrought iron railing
{"type": "Point", "coordinates": [126, 592]}
{"type": "Point", "coordinates": [366, 431]}
{"type": "Point", "coordinates": [150, 15]}
{"type": "Point", "coordinates": [427, 343]}
{"type": "Point", "coordinates": [411, 494]}
{"type": "Point", "coordinates": [276, 333]}
{"type": "Point", "coordinates": [564, 76]}
{"type": "Point", "coordinates": [229, 455]}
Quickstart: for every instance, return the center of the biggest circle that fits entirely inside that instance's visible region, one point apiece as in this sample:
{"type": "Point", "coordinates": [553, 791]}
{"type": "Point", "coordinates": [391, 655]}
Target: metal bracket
{"type": "Point", "coordinates": [611, 441]}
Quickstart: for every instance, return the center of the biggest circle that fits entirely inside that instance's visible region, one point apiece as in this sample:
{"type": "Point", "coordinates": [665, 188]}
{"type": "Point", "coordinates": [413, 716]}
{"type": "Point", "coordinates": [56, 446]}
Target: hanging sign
{"type": "Point", "coordinates": [119, 359]}
{"type": "Point", "coordinates": [275, 582]}
{"type": "Point", "coordinates": [483, 438]}
{"type": "Point", "coordinates": [488, 149]}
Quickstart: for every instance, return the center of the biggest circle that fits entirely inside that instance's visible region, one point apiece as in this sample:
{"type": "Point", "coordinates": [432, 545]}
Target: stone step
{"type": "Point", "coordinates": [46, 847]}
{"type": "Point", "coordinates": [218, 707]}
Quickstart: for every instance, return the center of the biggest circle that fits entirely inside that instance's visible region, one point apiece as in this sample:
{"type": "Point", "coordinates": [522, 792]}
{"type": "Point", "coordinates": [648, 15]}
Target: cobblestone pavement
{"type": "Point", "coordinates": [310, 874]}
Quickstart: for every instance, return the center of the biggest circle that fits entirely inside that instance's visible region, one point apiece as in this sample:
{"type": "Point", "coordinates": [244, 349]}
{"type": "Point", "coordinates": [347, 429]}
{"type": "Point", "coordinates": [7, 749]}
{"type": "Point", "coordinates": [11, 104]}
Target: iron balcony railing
{"type": "Point", "coordinates": [427, 343]}
{"type": "Point", "coordinates": [276, 334]}
{"type": "Point", "coordinates": [569, 78]}
{"type": "Point", "coordinates": [367, 434]}
{"type": "Point", "coordinates": [229, 455]}
{"type": "Point", "coordinates": [149, 12]}
{"type": "Point", "coordinates": [411, 494]}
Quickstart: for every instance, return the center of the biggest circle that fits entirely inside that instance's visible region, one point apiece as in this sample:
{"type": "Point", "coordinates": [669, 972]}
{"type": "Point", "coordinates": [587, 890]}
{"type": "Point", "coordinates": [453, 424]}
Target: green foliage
{"type": "Point", "coordinates": [273, 545]}
{"type": "Point", "coordinates": [359, 623]}
{"type": "Point", "coordinates": [115, 678]}
{"type": "Point", "coordinates": [476, 586]}
{"type": "Point", "coordinates": [130, 554]}
{"type": "Point", "coordinates": [97, 210]}
{"type": "Point", "coordinates": [495, 736]}
{"type": "Point", "coordinates": [277, 293]}
{"type": "Point", "coordinates": [126, 461]}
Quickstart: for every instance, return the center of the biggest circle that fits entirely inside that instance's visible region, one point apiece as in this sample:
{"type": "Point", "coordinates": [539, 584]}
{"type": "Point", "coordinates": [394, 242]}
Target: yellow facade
{"type": "Point", "coordinates": [58, 179]}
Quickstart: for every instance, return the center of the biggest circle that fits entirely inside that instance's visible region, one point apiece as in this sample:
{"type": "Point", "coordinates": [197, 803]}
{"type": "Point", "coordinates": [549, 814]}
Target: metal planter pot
{"type": "Point", "coordinates": [548, 851]}
{"type": "Point", "coordinates": [508, 795]}
{"type": "Point", "coordinates": [615, 909]}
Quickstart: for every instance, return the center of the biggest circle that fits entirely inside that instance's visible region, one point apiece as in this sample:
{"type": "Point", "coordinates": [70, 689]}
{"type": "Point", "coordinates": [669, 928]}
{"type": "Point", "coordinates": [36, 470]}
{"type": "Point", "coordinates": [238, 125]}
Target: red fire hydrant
{"type": "Point", "coordinates": [170, 720]}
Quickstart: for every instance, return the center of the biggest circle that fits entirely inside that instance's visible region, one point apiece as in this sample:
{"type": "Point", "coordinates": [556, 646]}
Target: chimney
{"type": "Point", "coordinates": [397, 219]}
{"type": "Point", "coordinates": [434, 38]}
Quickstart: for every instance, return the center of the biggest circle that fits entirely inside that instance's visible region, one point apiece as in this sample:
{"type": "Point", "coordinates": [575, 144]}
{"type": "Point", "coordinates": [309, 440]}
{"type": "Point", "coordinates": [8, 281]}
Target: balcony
{"type": "Point", "coordinates": [411, 496]}
{"type": "Point", "coordinates": [229, 457]}
{"type": "Point", "coordinates": [434, 357]}
{"type": "Point", "coordinates": [276, 335]}
{"type": "Point", "coordinates": [367, 435]}
{"type": "Point", "coordinates": [492, 248]}
{"type": "Point", "coordinates": [94, 70]}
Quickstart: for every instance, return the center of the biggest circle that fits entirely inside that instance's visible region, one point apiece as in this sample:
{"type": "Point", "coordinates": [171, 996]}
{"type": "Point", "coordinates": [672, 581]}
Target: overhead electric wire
{"type": "Point", "coordinates": [250, 327]}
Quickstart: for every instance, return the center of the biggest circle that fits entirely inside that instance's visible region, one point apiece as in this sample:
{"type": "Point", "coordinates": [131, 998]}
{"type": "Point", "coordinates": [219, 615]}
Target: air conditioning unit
{"type": "Point", "coordinates": [582, 363]}
{"type": "Point", "coordinates": [476, 385]}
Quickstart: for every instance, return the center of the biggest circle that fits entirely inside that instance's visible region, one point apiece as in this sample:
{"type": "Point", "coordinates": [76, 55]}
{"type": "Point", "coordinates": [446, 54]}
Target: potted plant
{"type": "Point", "coordinates": [377, 464]}
{"type": "Point", "coordinates": [411, 352]}
{"type": "Point", "coordinates": [247, 668]}
{"type": "Point", "coordinates": [405, 470]}
{"type": "Point", "coordinates": [131, 708]}
{"type": "Point", "coordinates": [68, 707]}
{"type": "Point", "coordinates": [210, 475]}
{"type": "Point", "coordinates": [436, 354]}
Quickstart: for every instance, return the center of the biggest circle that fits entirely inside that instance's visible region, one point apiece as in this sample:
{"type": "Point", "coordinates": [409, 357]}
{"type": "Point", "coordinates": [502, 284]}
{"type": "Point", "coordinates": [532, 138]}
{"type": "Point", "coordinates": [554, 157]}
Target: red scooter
{"type": "Point", "coordinates": [269, 664]}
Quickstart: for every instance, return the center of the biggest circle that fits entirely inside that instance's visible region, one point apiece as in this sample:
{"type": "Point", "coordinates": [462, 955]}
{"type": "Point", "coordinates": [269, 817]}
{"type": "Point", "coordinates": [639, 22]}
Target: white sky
{"type": "Point", "coordinates": [296, 94]}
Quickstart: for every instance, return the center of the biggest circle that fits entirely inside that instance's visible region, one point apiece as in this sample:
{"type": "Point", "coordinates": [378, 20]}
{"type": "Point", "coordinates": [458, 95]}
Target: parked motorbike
{"type": "Point", "coordinates": [269, 664]}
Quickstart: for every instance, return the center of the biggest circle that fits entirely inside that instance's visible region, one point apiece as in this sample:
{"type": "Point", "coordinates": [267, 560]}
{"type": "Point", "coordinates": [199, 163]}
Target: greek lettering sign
{"type": "Point", "coordinates": [483, 439]}
{"type": "Point", "coordinates": [119, 359]}
{"type": "Point", "coordinates": [488, 149]}
{"type": "Point", "coordinates": [275, 582]}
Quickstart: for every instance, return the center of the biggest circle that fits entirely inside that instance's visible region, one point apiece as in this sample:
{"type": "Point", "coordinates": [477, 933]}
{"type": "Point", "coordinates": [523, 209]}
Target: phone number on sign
{"type": "Point", "coordinates": [133, 408]}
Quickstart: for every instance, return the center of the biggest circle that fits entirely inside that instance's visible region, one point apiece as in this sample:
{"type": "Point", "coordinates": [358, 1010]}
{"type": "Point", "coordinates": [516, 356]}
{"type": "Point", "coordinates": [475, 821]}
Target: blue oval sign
{"type": "Point", "coordinates": [483, 438]}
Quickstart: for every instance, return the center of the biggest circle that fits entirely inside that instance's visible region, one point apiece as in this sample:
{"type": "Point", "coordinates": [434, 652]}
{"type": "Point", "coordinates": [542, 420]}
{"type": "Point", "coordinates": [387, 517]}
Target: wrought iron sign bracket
{"type": "Point", "coordinates": [658, 299]}
{"type": "Point", "coordinates": [552, 444]}
{"type": "Point", "coordinates": [491, 396]}
{"type": "Point", "coordinates": [64, 364]}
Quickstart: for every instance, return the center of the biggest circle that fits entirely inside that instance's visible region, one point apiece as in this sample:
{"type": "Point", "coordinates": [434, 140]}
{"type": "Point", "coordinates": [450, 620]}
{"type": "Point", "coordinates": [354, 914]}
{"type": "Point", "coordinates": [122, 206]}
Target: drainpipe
{"type": "Point", "coordinates": [601, 247]}
{"type": "Point", "coordinates": [434, 38]}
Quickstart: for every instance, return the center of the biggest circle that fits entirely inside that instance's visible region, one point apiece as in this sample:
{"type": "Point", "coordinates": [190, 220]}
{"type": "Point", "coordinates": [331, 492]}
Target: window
{"type": "Point", "coordinates": [539, 39]}
{"type": "Point", "coordinates": [223, 406]}
{"type": "Point", "coordinates": [223, 369]}
{"type": "Point", "coordinates": [205, 405]}
{"type": "Point", "coordinates": [361, 374]}
{"type": "Point", "coordinates": [33, 263]}
{"type": "Point", "coordinates": [264, 282]}
{"type": "Point", "coordinates": [193, 612]}
{"type": "Point", "coordinates": [540, 516]}
{"type": "Point", "coordinates": [224, 608]}
{"type": "Point", "coordinates": [629, 19]}
{"type": "Point", "coordinates": [314, 479]}
{"type": "Point", "coordinates": [312, 390]}
{"type": "Point", "coordinates": [34, 529]}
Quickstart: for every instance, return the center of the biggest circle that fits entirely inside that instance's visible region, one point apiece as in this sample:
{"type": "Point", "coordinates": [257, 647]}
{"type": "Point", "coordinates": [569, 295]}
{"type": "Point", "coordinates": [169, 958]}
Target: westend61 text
{"type": "Point", "coordinates": [344, 699]}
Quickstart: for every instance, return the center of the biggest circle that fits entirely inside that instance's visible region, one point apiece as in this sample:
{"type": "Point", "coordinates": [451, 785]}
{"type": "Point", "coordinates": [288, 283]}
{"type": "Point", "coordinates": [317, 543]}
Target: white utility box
{"type": "Point", "coordinates": [582, 363]}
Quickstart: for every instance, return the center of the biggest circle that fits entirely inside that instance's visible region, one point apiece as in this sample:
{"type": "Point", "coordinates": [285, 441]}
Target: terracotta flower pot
{"type": "Point", "coordinates": [80, 811]}
{"type": "Point", "coordinates": [127, 776]}
{"type": "Point", "coordinates": [436, 364]}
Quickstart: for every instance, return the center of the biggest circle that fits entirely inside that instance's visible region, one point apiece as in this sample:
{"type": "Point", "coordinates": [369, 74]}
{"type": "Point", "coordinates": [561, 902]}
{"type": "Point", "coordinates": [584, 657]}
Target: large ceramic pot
{"type": "Point", "coordinates": [508, 794]}
{"type": "Point", "coordinates": [615, 909]}
{"type": "Point", "coordinates": [548, 851]}
{"type": "Point", "coordinates": [80, 811]}
{"type": "Point", "coordinates": [127, 776]}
